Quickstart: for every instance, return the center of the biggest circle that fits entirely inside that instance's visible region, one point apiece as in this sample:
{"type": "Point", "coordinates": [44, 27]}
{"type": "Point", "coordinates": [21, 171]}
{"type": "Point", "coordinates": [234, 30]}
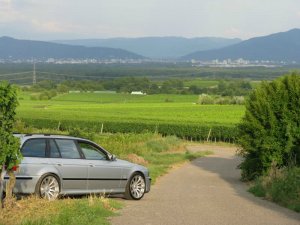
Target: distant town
{"type": "Point", "coordinates": [227, 63]}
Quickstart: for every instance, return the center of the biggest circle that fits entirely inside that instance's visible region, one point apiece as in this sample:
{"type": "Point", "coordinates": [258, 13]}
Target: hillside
{"type": "Point", "coordinates": [279, 46]}
{"type": "Point", "coordinates": [157, 47]}
{"type": "Point", "coordinates": [11, 48]}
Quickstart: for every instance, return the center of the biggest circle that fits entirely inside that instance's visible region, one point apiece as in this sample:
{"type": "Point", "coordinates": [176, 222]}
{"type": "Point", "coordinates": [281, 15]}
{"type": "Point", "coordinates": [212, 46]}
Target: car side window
{"type": "Point", "coordinates": [54, 152]}
{"type": "Point", "coordinates": [34, 148]}
{"type": "Point", "coordinates": [91, 152]}
{"type": "Point", "coordinates": [68, 149]}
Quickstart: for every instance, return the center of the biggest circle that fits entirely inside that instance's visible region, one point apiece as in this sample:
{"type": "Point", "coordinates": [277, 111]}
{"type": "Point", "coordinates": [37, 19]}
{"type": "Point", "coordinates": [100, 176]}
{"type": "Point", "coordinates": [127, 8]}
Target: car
{"type": "Point", "coordinates": [55, 165]}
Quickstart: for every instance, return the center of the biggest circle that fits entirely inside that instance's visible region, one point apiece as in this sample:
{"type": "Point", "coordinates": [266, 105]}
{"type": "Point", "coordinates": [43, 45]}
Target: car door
{"type": "Point", "coordinates": [70, 164]}
{"type": "Point", "coordinates": [104, 175]}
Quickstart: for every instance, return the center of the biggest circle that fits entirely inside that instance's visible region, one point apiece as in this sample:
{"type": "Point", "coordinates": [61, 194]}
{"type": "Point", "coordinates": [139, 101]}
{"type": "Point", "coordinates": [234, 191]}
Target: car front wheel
{"type": "Point", "coordinates": [135, 187]}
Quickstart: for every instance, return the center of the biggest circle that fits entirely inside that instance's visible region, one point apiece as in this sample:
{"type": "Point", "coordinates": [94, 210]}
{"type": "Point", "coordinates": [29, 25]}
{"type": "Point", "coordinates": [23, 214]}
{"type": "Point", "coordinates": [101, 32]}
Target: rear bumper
{"type": "Point", "coordinates": [24, 185]}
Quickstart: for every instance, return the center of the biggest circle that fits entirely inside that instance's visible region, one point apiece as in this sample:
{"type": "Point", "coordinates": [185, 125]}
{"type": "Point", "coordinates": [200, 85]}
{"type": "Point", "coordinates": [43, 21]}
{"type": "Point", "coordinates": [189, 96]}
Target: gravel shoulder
{"type": "Point", "coordinates": [206, 191]}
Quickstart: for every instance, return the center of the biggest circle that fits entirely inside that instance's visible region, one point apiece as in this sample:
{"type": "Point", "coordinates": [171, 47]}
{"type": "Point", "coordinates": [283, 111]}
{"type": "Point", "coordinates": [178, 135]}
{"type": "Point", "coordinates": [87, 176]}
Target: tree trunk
{"type": "Point", "coordinates": [9, 199]}
{"type": "Point", "coordinates": [3, 172]}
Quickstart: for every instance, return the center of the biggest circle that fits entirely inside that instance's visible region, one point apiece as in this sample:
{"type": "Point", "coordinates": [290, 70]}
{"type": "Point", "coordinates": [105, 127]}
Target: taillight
{"type": "Point", "coordinates": [14, 168]}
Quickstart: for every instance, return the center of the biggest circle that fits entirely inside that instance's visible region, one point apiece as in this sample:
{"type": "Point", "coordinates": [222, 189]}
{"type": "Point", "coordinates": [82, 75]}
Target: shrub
{"type": "Point", "coordinates": [10, 155]}
{"type": "Point", "coordinates": [33, 97]}
{"type": "Point", "coordinates": [205, 100]}
{"type": "Point", "coordinates": [47, 95]}
{"type": "Point", "coordinates": [270, 130]}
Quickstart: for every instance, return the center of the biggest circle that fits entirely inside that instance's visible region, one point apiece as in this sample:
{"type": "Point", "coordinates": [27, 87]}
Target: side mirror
{"type": "Point", "coordinates": [112, 157]}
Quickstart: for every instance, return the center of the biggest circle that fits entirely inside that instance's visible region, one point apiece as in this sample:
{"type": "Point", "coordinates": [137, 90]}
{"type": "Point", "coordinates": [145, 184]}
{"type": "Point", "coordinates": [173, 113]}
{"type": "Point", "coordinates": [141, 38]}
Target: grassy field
{"type": "Point", "coordinates": [166, 114]}
{"type": "Point", "coordinates": [201, 83]}
{"type": "Point", "coordinates": [126, 98]}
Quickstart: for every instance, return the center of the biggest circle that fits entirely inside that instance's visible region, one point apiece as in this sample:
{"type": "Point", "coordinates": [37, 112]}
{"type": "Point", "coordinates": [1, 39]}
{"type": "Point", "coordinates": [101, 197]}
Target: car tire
{"type": "Point", "coordinates": [48, 187]}
{"type": "Point", "coordinates": [136, 186]}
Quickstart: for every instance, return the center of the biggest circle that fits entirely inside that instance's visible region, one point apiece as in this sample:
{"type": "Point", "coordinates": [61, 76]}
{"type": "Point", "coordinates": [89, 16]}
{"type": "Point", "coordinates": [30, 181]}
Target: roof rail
{"type": "Point", "coordinates": [27, 135]}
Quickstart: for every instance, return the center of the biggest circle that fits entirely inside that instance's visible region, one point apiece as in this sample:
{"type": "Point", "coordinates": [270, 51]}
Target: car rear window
{"type": "Point", "coordinates": [54, 153]}
{"type": "Point", "coordinates": [34, 148]}
{"type": "Point", "coordinates": [68, 149]}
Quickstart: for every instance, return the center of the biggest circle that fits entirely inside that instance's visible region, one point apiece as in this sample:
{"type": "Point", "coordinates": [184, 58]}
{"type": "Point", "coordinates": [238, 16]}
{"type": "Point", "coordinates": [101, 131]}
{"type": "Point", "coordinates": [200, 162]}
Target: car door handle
{"type": "Point", "coordinates": [59, 164]}
{"type": "Point", "coordinates": [91, 165]}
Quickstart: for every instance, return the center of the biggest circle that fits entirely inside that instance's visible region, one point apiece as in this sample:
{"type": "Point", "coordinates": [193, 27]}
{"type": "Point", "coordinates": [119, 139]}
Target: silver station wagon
{"type": "Point", "coordinates": [56, 165]}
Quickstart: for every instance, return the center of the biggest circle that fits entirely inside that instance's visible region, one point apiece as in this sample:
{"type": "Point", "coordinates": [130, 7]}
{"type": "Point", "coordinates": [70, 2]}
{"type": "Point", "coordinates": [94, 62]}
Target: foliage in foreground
{"type": "Point", "coordinates": [9, 145]}
{"type": "Point", "coordinates": [282, 187]}
{"type": "Point", "coordinates": [269, 133]}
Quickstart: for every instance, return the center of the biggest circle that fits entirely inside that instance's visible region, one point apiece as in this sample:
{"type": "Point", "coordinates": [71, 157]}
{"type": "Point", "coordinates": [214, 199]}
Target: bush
{"type": "Point", "coordinates": [205, 100]}
{"type": "Point", "coordinates": [270, 130]}
{"type": "Point", "coordinates": [46, 95]}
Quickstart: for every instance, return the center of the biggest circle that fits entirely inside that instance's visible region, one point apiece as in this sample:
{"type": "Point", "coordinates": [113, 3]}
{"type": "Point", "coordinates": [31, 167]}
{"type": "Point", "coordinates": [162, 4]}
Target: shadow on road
{"type": "Point", "coordinates": [225, 166]}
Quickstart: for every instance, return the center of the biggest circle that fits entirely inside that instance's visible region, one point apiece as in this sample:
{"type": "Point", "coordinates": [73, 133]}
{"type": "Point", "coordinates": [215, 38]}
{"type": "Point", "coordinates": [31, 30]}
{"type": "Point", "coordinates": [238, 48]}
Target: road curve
{"type": "Point", "coordinates": [206, 191]}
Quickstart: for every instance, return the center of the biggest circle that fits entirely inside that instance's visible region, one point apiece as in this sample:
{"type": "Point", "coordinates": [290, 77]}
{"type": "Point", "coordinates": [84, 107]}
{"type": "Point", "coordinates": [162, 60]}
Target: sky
{"type": "Point", "coordinates": [81, 19]}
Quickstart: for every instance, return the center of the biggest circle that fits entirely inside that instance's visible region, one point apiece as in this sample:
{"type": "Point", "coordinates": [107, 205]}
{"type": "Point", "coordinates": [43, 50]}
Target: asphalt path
{"type": "Point", "coordinates": [206, 191]}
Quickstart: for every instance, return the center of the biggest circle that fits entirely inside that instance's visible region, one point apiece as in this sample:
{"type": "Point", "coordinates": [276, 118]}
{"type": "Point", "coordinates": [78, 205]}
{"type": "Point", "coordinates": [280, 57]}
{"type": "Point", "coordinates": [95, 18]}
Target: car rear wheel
{"type": "Point", "coordinates": [135, 188]}
{"type": "Point", "coordinates": [48, 187]}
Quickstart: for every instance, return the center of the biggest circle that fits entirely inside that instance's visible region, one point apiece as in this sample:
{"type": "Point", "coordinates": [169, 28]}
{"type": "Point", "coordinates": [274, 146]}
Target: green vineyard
{"type": "Point", "coordinates": [103, 112]}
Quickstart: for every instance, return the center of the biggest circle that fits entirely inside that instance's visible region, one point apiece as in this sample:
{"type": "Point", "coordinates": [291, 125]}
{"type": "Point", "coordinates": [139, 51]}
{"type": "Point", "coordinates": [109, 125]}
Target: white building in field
{"type": "Point", "coordinates": [137, 93]}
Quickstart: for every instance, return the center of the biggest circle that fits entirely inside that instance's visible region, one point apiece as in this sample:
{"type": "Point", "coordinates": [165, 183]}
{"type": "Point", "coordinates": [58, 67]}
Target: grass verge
{"type": "Point", "coordinates": [34, 211]}
{"type": "Point", "coordinates": [282, 187]}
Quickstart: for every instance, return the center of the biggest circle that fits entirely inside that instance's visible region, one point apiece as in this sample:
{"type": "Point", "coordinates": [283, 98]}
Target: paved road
{"type": "Point", "coordinates": [205, 192]}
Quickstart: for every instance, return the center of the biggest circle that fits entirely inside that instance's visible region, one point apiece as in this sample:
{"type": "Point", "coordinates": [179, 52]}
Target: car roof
{"type": "Point", "coordinates": [25, 137]}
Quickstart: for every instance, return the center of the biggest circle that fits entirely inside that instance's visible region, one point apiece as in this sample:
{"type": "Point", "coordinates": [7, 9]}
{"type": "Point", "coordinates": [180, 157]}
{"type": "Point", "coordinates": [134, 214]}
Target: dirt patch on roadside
{"type": "Point", "coordinates": [134, 158]}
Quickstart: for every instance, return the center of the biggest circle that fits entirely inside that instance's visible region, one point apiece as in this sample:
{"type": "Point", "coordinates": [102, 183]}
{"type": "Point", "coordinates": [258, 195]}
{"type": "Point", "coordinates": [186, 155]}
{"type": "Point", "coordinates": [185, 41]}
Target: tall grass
{"type": "Point", "coordinates": [34, 211]}
{"type": "Point", "coordinates": [282, 187]}
{"type": "Point", "coordinates": [156, 152]}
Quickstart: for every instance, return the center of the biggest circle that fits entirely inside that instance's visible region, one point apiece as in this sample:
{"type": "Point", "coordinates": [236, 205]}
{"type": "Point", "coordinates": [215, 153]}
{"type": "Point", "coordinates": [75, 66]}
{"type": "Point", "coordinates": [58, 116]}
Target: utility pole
{"type": "Point", "coordinates": [34, 75]}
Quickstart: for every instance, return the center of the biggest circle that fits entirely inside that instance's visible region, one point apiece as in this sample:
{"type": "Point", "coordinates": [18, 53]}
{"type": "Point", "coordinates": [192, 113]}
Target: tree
{"type": "Point", "coordinates": [10, 155]}
{"type": "Point", "coordinates": [269, 133]}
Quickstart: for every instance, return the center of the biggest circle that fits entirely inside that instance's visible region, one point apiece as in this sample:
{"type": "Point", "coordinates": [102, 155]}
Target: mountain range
{"type": "Point", "coordinates": [284, 46]}
{"type": "Point", "coordinates": [157, 47]}
{"type": "Point", "coordinates": [11, 48]}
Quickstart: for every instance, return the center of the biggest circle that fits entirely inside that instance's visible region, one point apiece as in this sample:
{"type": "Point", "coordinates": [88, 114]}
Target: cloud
{"type": "Point", "coordinates": [107, 18]}
{"type": "Point", "coordinates": [47, 26]}
{"type": "Point", "coordinates": [7, 13]}
{"type": "Point", "coordinates": [233, 32]}
{"type": "Point", "coordinates": [5, 2]}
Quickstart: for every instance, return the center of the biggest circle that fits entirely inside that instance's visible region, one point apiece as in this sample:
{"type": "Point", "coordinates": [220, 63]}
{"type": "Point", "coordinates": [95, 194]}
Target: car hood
{"type": "Point", "coordinates": [125, 163]}
{"type": "Point", "coordinates": [129, 164]}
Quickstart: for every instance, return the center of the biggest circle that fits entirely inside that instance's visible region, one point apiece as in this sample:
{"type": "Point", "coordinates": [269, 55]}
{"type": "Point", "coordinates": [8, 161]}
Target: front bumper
{"type": "Point", "coordinates": [148, 184]}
